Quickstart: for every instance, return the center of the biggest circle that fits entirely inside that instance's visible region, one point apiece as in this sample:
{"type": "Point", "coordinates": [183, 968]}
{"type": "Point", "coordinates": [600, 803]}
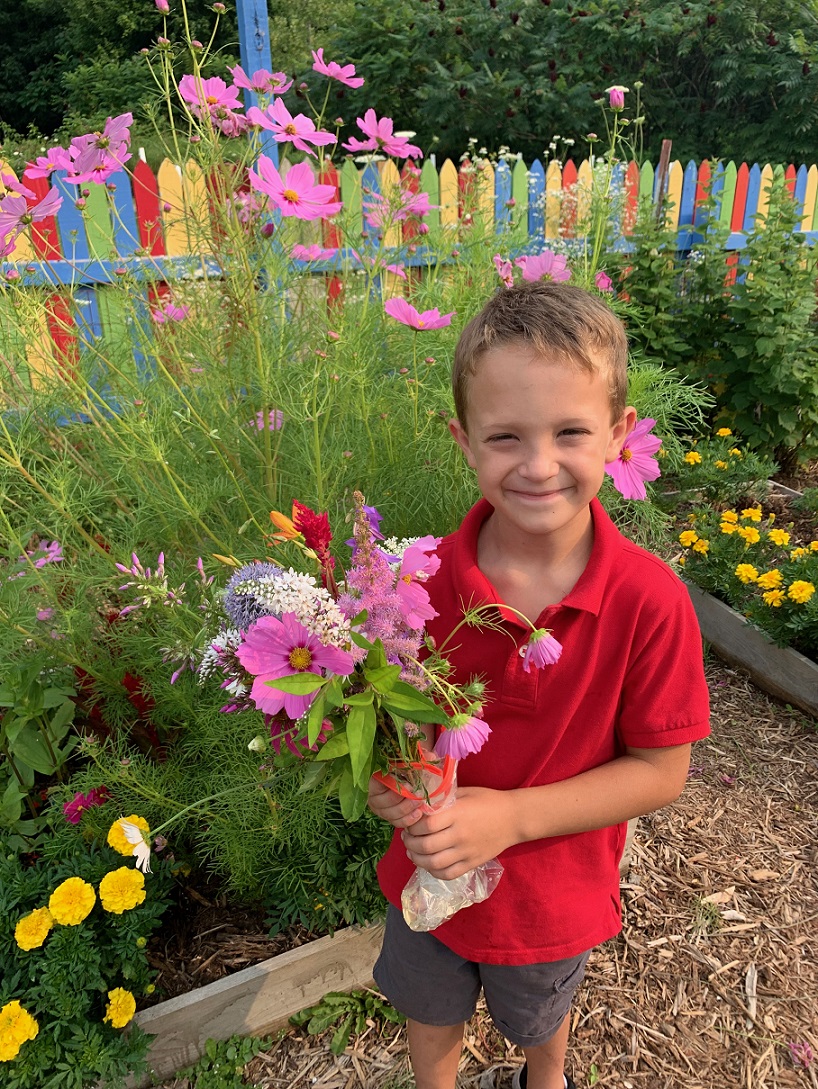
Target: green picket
{"type": "Point", "coordinates": [728, 195]}
{"type": "Point", "coordinates": [353, 200]}
{"type": "Point", "coordinates": [430, 184]}
{"type": "Point", "coordinates": [519, 192]}
{"type": "Point", "coordinates": [98, 227]}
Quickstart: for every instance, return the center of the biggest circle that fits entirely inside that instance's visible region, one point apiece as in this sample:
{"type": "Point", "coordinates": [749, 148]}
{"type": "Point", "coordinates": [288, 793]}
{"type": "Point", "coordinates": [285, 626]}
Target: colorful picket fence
{"type": "Point", "coordinates": [157, 227]}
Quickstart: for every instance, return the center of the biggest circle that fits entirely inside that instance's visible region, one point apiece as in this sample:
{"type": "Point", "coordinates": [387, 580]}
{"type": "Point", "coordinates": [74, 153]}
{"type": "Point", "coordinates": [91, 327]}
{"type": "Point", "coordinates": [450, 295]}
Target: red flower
{"type": "Point", "coordinates": [313, 527]}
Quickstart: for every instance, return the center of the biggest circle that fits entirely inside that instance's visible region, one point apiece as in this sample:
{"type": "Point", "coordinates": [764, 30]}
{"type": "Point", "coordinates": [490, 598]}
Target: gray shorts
{"type": "Point", "coordinates": [429, 983]}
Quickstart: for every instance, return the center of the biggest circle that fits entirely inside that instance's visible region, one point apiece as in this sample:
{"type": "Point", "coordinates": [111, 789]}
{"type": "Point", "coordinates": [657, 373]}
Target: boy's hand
{"type": "Point", "coordinates": [390, 806]}
{"type": "Point", "coordinates": [449, 843]}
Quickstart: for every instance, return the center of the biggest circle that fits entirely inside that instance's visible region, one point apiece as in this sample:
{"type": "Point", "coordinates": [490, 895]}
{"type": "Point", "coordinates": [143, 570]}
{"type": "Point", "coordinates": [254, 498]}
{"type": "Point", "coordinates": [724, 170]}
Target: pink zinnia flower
{"type": "Point", "coordinates": [169, 312]}
{"type": "Point", "coordinates": [544, 266]}
{"type": "Point", "coordinates": [56, 158]}
{"type": "Point", "coordinates": [603, 281]}
{"type": "Point", "coordinates": [404, 312]}
{"type": "Point", "coordinates": [416, 567]}
{"type": "Point", "coordinates": [312, 253]}
{"type": "Point", "coordinates": [463, 735]}
{"type": "Point", "coordinates": [542, 650]}
{"type": "Point", "coordinates": [274, 648]}
{"type": "Point", "coordinates": [345, 74]}
{"type": "Point", "coordinates": [297, 194]}
{"type": "Point", "coordinates": [635, 463]}
{"type": "Point", "coordinates": [205, 94]}
{"type": "Point", "coordinates": [382, 138]}
{"type": "Point", "coordinates": [505, 270]}
{"type": "Point", "coordinates": [299, 130]}
{"type": "Point", "coordinates": [261, 82]}
{"type": "Point", "coordinates": [273, 420]}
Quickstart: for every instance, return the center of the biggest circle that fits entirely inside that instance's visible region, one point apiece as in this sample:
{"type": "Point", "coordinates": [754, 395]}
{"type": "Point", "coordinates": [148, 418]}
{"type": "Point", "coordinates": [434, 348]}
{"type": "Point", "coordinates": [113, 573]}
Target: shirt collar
{"type": "Point", "coordinates": [475, 589]}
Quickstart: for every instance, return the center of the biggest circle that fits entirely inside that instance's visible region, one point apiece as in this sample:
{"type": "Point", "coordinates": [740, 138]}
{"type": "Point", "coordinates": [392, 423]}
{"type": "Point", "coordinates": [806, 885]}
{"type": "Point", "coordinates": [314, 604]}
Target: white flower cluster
{"type": "Point", "coordinates": [227, 640]}
{"type": "Point", "coordinates": [313, 606]}
{"type": "Point", "coordinates": [394, 547]}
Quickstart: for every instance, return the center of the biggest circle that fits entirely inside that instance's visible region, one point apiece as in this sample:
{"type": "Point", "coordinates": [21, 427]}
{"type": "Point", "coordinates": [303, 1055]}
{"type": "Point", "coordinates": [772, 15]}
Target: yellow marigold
{"type": "Point", "coordinates": [682, 561]}
{"type": "Point", "coordinates": [753, 514]}
{"type": "Point", "coordinates": [735, 453]}
{"type": "Point", "coordinates": [693, 458]}
{"type": "Point", "coordinates": [773, 598]}
{"type": "Point", "coordinates": [122, 889]}
{"type": "Point", "coordinates": [702, 546]}
{"type": "Point", "coordinates": [745, 572]}
{"type": "Point", "coordinates": [797, 553]}
{"type": "Point", "coordinates": [16, 1027]}
{"type": "Point", "coordinates": [32, 930]}
{"type": "Point", "coordinates": [749, 533]}
{"type": "Point", "coordinates": [813, 546]}
{"type": "Point", "coordinates": [800, 591]}
{"type": "Point", "coordinates": [72, 901]}
{"type": "Point", "coordinates": [689, 537]}
{"type": "Point", "coordinates": [779, 537]}
{"type": "Point", "coordinates": [723, 432]}
{"type": "Point", "coordinates": [117, 838]}
{"type": "Point", "coordinates": [770, 580]}
{"type": "Point", "coordinates": [729, 516]}
{"type": "Point", "coordinates": [728, 527]}
{"type": "Point", "coordinates": [721, 464]}
{"type": "Point", "coordinates": [121, 1007]}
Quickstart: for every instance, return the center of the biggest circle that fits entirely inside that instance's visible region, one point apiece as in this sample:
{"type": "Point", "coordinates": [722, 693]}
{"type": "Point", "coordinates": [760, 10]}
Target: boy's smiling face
{"type": "Point", "coordinates": [539, 433]}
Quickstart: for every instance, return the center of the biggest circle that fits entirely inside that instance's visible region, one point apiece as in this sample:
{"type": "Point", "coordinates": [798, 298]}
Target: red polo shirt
{"type": "Point", "coordinates": [631, 673]}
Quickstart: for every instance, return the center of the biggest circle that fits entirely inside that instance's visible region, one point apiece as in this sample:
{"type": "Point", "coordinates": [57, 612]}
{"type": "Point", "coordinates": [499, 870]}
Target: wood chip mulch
{"type": "Point", "coordinates": [714, 975]}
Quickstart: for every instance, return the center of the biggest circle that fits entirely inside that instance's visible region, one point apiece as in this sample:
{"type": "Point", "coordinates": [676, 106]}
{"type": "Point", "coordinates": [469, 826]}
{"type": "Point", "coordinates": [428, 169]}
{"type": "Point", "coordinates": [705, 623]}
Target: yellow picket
{"type": "Point", "coordinates": [764, 196]}
{"type": "Point", "coordinates": [484, 196]}
{"type": "Point", "coordinates": [675, 180]}
{"type": "Point", "coordinates": [449, 194]}
{"type": "Point", "coordinates": [809, 198]}
{"type": "Point", "coordinates": [553, 199]}
{"type": "Point", "coordinates": [169, 179]}
{"type": "Point", "coordinates": [197, 208]}
{"type": "Point", "coordinates": [585, 188]}
{"type": "Point", "coordinates": [390, 185]}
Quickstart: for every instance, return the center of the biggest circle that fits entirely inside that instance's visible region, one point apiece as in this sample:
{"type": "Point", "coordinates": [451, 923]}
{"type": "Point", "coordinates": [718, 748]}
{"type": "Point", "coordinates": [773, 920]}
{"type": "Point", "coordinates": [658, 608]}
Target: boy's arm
{"type": "Point", "coordinates": [484, 822]}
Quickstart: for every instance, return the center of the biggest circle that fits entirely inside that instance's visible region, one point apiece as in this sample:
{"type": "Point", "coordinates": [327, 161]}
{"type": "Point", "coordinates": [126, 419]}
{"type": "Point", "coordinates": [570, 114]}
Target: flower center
{"type": "Point", "coordinates": [626, 453]}
{"type": "Point", "coordinates": [406, 578]}
{"type": "Point", "coordinates": [290, 129]}
{"type": "Point", "coordinates": [211, 100]}
{"type": "Point", "coordinates": [300, 658]}
{"type": "Point", "coordinates": [290, 195]}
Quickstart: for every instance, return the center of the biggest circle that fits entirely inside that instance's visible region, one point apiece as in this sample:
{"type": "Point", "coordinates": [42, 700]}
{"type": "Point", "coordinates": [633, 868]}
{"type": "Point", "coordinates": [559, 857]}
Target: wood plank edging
{"type": "Point", "coordinates": [258, 1000]}
{"type": "Point", "coordinates": [781, 671]}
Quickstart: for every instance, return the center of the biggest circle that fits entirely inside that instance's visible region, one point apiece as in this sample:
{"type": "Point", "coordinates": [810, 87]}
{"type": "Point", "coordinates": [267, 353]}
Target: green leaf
{"type": "Point", "coordinates": [340, 1037]}
{"type": "Point", "coordinates": [61, 720]}
{"type": "Point", "coordinates": [360, 640]}
{"type": "Point", "coordinates": [30, 749]}
{"type": "Point", "coordinates": [351, 797]}
{"type": "Point", "coordinates": [299, 684]}
{"type": "Point", "coordinates": [315, 719]}
{"type": "Point", "coordinates": [335, 745]}
{"type": "Point", "coordinates": [361, 727]}
{"type": "Point", "coordinates": [406, 701]}
{"type": "Point", "coordinates": [376, 659]}
{"type": "Point", "coordinates": [360, 699]}
{"type": "Point", "coordinates": [334, 692]}
{"type": "Point", "coordinates": [382, 678]}
{"type": "Point", "coordinates": [11, 804]}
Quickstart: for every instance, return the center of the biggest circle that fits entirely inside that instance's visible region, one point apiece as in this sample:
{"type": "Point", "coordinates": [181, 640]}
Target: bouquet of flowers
{"type": "Point", "coordinates": [348, 680]}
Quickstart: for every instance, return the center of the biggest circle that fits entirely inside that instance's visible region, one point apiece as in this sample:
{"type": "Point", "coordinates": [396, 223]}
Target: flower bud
{"type": "Point", "coordinates": [162, 5]}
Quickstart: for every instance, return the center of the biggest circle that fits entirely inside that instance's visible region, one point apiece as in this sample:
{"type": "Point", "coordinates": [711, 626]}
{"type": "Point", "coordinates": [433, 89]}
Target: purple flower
{"type": "Point", "coordinates": [463, 735]}
{"type": "Point", "coordinates": [542, 649]}
{"type": "Point", "coordinates": [544, 266]}
{"type": "Point", "coordinates": [636, 463]}
{"type": "Point", "coordinates": [274, 648]}
{"type": "Point", "coordinates": [242, 607]}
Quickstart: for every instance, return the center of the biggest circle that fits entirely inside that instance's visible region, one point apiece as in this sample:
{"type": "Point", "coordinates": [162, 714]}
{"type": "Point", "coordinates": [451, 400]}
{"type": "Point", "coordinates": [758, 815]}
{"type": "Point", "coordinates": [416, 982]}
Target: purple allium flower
{"type": "Point", "coordinates": [463, 735]}
{"type": "Point", "coordinates": [242, 608]}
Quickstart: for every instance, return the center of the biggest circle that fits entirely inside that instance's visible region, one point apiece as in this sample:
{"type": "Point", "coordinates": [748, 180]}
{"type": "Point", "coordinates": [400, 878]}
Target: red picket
{"type": "Point", "coordinates": [631, 198]}
{"type": "Point", "coordinates": [789, 177]}
{"type": "Point", "coordinates": [332, 238]}
{"type": "Point", "coordinates": [740, 199]}
{"type": "Point", "coordinates": [702, 186]}
{"type": "Point", "coordinates": [569, 205]}
{"type": "Point", "coordinates": [148, 214]}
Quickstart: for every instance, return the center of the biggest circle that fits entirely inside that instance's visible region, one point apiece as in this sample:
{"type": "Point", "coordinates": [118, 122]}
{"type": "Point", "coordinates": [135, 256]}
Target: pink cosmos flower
{"type": "Point", "coordinates": [382, 138]}
{"type": "Point", "coordinates": [542, 650]}
{"type": "Point", "coordinates": [297, 194]}
{"type": "Point", "coordinates": [345, 74]}
{"type": "Point", "coordinates": [382, 210]}
{"type": "Point", "coordinates": [162, 5]}
{"type": "Point", "coordinates": [273, 420]}
{"type": "Point", "coordinates": [74, 809]}
{"type": "Point", "coordinates": [261, 82]}
{"type": "Point", "coordinates": [312, 253]}
{"type": "Point", "coordinates": [274, 648]}
{"type": "Point", "coordinates": [299, 130]}
{"type": "Point", "coordinates": [45, 614]}
{"type": "Point", "coordinates": [603, 281]}
{"type": "Point", "coordinates": [205, 94]}
{"type": "Point", "coordinates": [416, 567]}
{"type": "Point", "coordinates": [16, 188]}
{"type": "Point", "coordinates": [505, 270]}
{"type": "Point", "coordinates": [56, 158]}
{"type": "Point", "coordinates": [544, 266]}
{"type": "Point", "coordinates": [635, 463]}
{"type": "Point", "coordinates": [616, 97]}
{"type": "Point", "coordinates": [16, 215]}
{"type": "Point", "coordinates": [463, 735]}
{"type": "Point", "coordinates": [404, 312]}
{"type": "Point", "coordinates": [169, 312]}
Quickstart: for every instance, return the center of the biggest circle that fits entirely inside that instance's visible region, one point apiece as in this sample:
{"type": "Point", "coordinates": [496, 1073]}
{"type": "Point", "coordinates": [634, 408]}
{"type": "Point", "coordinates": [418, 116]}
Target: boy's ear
{"type": "Point", "coordinates": [462, 439]}
{"type": "Point", "coordinates": [619, 432]}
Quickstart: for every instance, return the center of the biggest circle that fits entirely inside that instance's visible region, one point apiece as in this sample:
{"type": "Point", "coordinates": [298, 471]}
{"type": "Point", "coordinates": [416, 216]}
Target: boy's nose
{"type": "Point", "coordinates": [541, 463]}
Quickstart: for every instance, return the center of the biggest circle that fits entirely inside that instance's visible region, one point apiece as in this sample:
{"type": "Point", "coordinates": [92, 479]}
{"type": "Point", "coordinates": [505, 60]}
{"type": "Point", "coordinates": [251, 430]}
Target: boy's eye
{"type": "Point", "coordinates": [499, 438]}
{"type": "Point", "coordinates": [573, 432]}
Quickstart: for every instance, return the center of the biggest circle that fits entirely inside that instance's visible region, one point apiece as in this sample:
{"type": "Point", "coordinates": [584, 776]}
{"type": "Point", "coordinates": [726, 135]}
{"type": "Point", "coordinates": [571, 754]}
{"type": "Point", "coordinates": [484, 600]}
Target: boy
{"type": "Point", "coordinates": [577, 748]}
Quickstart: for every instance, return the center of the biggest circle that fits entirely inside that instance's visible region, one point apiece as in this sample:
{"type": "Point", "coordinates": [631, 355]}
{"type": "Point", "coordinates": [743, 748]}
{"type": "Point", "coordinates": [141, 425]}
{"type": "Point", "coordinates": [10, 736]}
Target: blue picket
{"type": "Point", "coordinates": [800, 188]}
{"type": "Point", "coordinates": [687, 202]}
{"type": "Point", "coordinates": [502, 196]}
{"type": "Point", "coordinates": [126, 231]}
{"type": "Point", "coordinates": [536, 201]}
{"type": "Point", "coordinates": [753, 193]}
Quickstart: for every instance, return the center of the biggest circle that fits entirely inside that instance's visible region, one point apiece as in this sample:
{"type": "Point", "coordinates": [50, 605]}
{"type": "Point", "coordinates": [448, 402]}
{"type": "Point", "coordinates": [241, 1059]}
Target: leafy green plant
{"type": "Point", "coordinates": [223, 1063]}
{"type": "Point", "coordinates": [717, 467]}
{"type": "Point", "coordinates": [353, 1010]}
{"type": "Point", "coordinates": [744, 559]}
{"type": "Point", "coordinates": [73, 932]}
{"type": "Point", "coordinates": [808, 501]}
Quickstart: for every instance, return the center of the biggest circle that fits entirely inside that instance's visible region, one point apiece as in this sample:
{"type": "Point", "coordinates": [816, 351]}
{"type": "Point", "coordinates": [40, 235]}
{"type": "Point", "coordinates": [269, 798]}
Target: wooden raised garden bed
{"type": "Point", "coordinates": [258, 1000]}
{"type": "Point", "coordinates": [781, 671]}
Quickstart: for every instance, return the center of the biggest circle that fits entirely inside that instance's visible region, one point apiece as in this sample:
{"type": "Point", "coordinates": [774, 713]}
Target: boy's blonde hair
{"type": "Point", "coordinates": [556, 320]}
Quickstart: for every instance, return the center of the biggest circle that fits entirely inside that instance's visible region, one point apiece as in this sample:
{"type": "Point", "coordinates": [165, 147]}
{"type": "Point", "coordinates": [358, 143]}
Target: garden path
{"type": "Point", "coordinates": [716, 969]}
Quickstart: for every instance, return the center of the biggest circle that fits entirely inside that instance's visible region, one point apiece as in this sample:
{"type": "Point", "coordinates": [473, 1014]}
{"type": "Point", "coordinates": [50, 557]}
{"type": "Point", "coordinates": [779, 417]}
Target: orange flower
{"type": "Point", "coordinates": [284, 525]}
